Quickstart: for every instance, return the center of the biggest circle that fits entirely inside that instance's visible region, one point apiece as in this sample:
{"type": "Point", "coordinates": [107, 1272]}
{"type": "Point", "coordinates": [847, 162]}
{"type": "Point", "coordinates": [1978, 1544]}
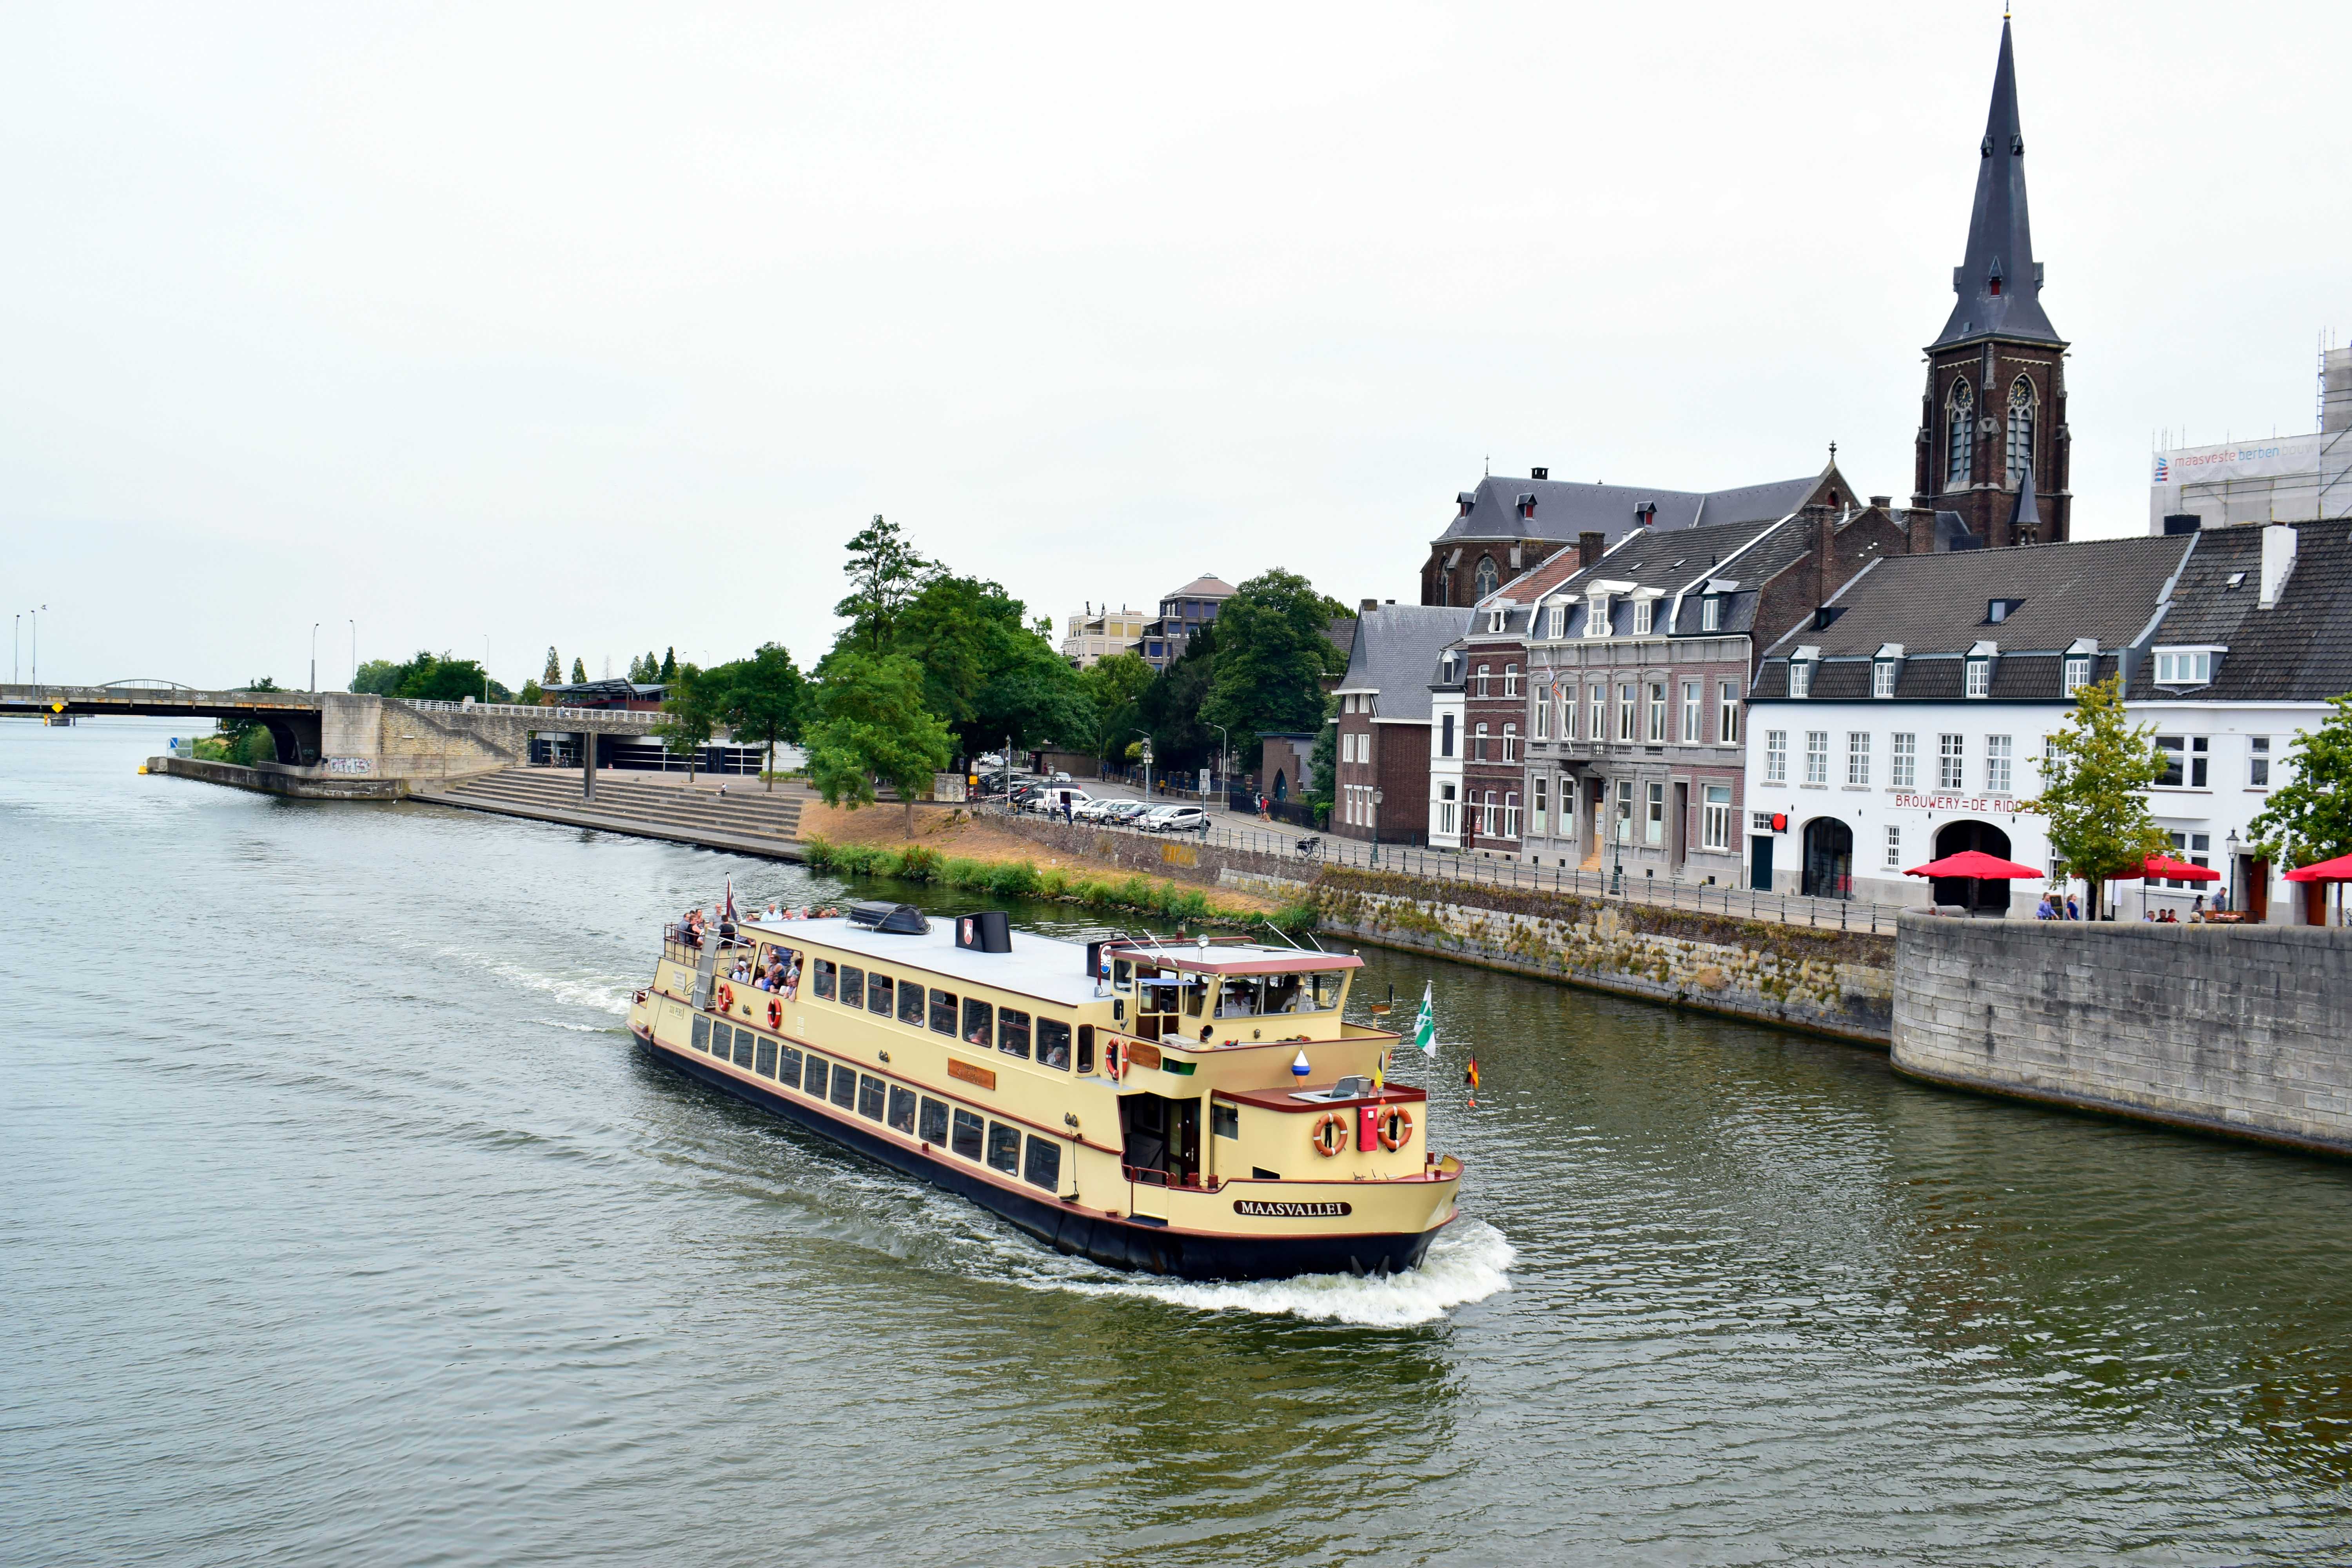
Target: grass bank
{"type": "Point", "coordinates": [1025, 880]}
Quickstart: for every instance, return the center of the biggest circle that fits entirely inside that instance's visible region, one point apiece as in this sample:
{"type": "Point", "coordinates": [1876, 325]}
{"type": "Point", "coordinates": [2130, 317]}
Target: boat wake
{"type": "Point", "coordinates": [1468, 1262]}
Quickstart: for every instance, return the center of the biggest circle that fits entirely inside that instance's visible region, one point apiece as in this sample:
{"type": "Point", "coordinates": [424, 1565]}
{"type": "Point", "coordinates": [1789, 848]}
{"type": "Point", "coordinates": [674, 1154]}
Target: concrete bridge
{"type": "Point", "coordinates": [346, 744]}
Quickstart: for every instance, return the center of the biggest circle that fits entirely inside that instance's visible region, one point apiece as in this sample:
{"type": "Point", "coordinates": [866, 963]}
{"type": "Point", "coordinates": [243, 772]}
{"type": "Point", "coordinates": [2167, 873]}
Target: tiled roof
{"type": "Point", "coordinates": [2300, 650]}
{"type": "Point", "coordinates": [1202, 588]}
{"type": "Point", "coordinates": [1563, 511]}
{"type": "Point", "coordinates": [1396, 652]}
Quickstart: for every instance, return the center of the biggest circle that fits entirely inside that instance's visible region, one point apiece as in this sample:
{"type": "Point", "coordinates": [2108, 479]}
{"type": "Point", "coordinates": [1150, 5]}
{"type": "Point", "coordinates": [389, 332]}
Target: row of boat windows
{"type": "Point", "coordinates": [966, 1132]}
{"type": "Point", "coordinates": [972, 1020]}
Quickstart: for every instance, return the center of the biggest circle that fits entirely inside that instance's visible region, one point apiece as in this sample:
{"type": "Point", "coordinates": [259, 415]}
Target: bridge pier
{"type": "Point", "coordinates": [587, 739]}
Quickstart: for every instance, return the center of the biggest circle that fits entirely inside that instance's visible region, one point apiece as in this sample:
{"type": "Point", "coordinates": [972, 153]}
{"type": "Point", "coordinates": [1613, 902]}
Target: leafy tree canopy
{"type": "Point", "coordinates": [669, 669]}
{"type": "Point", "coordinates": [1115, 687]}
{"type": "Point", "coordinates": [872, 724]}
{"type": "Point", "coordinates": [2309, 818]}
{"type": "Point", "coordinates": [578, 671]}
{"type": "Point", "coordinates": [1170, 706]}
{"type": "Point", "coordinates": [762, 698]}
{"type": "Point", "coordinates": [427, 678]}
{"type": "Point", "coordinates": [553, 674]}
{"type": "Point", "coordinates": [885, 572]}
{"type": "Point", "coordinates": [380, 676]}
{"type": "Point", "coordinates": [1325, 772]}
{"type": "Point", "coordinates": [1273, 652]}
{"type": "Point", "coordinates": [689, 714]}
{"type": "Point", "coordinates": [2095, 783]}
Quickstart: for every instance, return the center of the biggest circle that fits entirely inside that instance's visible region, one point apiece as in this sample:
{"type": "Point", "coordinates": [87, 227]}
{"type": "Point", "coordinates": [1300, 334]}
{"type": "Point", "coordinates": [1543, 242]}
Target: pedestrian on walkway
{"type": "Point", "coordinates": [2074, 910]}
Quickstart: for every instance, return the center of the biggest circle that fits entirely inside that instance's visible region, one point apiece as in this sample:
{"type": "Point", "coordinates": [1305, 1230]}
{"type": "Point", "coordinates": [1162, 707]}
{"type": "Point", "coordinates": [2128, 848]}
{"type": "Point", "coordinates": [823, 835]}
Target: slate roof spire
{"type": "Point", "coordinates": [2025, 517]}
{"type": "Point", "coordinates": [2000, 284]}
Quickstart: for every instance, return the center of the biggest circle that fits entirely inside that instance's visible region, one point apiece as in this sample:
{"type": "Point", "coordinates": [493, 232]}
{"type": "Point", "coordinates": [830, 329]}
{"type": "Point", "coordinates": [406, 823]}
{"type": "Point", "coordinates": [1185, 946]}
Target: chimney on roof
{"type": "Point", "coordinates": [1822, 523]}
{"type": "Point", "coordinates": [1882, 503]}
{"type": "Point", "coordinates": [1366, 606]}
{"type": "Point", "coordinates": [1538, 473]}
{"type": "Point", "coordinates": [1589, 545]}
{"type": "Point", "coordinates": [2278, 561]}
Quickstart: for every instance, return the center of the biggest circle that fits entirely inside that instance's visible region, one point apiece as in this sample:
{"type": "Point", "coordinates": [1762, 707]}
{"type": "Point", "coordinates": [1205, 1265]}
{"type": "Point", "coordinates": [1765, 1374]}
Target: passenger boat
{"type": "Point", "coordinates": [1193, 1106]}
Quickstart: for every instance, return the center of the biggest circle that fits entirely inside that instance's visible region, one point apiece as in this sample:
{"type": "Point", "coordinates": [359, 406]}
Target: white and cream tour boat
{"type": "Point", "coordinates": [1191, 1107]}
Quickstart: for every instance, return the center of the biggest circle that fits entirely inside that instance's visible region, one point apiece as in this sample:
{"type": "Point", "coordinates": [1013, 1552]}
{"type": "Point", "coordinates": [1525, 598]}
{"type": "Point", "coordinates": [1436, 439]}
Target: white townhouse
{"type": "Point", "coordinates": [1448, 708]}
{"type": "Point", "coordinates": [2256, 639]}
{"type": "Point", "coordinates": [1906, 719]}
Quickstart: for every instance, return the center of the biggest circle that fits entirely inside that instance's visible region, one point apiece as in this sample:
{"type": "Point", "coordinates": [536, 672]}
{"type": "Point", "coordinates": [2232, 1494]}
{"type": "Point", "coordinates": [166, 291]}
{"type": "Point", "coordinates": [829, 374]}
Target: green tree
{"type": "Point", "coordinates": [2095, 783]}
{"type": "Point", "coordinates": [533, 693]}
{"type": "Point", "coordinates": [553, 674]}
{"type": "Point", "coordinates": [2309, 818]}
{"type": "Point", "coordinates": [871, 723]}
{"type": "Point", "coordinates": [641, 668]}
{"type": "Point", "coordinates": [380, 676]}
{"type": "Point", "coordinates": [446, 679]}
{"type": "Point", "coordinates": [1115, 686]}
{"type": "Point", "coordinates": [885, 574]}
{"type": "Point", "coordinates": [578, 671]}
{"type": "Point", "coordinates": [1324, 770]}
{"type": "Point", "coordinates": [689, 715]}
{"type": "Point", "coordinates": [1170, 706]}
{"type": "Point", "coordinates": [668, 670]}
{"type": "Point", "coordinates": [1273, 652]}
{"type": "Point", "coordinates": [763, 699]}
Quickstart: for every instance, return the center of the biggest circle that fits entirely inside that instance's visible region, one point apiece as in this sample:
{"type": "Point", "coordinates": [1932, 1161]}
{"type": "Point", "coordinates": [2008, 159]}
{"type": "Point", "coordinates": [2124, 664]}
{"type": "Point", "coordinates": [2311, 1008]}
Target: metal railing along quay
{"type": "Point", "coordinates": [1668, 892]}
{"type": "Point", "coordinates": [533, 711]}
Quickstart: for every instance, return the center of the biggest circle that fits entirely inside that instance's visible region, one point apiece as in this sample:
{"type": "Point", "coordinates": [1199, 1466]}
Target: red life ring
{"type": "Point", "coordinates": [727, 998]}
{"type": "Point", "coordinates": [1396, 1127]}
{"type": "Point", "coordinates": [775, 1015]}
{"type": "Point", "coordinates": [1330, 1134]}
{"type": "Point", "coordinates": [1110, 1060]}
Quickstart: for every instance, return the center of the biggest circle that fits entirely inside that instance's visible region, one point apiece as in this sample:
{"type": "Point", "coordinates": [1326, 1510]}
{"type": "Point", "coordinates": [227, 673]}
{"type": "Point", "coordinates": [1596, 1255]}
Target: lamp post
{"type": "Point", "coordinates": [1225, 744]}
{"type": "Point", "coordinates": [2231, 843]}
{"type": "Point", "coordinates": [486, 667]}
{"type": "Point", "coordinates": [34, 615]}
{"type": "Point", "coordinates": [1617, 851]}
{"type": "Point", "coordinates": [355, 654]}
{"type": "Point", "coordinates": [314, 654]}
{"type": "Point", "coordinates": [1147, 761]}
{"type": "Point", "coordinates": [1378, 795]}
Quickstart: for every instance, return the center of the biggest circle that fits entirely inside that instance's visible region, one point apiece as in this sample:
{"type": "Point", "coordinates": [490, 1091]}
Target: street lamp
{"type": "Point", "coordinates": [1378, 795]}
{"type": "Point", "coordinates": [486, 667]}
{"type": "Point", "coordinates": [314, 654]}
{"type": "Point", "coordinates": [34, 615]}
{"type": "Point", "coordinates": [1617, 847]}
{"type": "Point", "coordinates": [1225, 744]}
{"type": "Point", "coordinates": [355, 655]}
{"type": "Point", "coordinates": [2231, 843]}
{"type": "Point", "coordinates": [1147, 761]}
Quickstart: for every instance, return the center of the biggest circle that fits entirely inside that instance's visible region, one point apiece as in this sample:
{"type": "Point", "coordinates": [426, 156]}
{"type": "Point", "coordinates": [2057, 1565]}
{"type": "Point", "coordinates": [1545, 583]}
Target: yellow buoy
{"type": "Point", "coordinates": [142, 767]}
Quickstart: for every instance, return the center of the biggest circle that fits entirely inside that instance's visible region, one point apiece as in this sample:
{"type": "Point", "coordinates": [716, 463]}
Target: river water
{"type": "Point", "coordinates": [344, 1224]}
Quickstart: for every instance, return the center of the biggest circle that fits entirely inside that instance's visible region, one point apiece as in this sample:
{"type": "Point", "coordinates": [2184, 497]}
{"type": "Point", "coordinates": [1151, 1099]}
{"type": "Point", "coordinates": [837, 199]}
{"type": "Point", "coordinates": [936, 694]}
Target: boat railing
{"type": "Point", "coordinates": [683, 945]}
{"type": "Point", "coordinates": [1152, 1176]}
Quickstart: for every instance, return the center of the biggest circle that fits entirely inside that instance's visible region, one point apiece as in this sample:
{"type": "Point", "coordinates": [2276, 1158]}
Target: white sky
{"type": "Point", "coordinates": [600, 327]}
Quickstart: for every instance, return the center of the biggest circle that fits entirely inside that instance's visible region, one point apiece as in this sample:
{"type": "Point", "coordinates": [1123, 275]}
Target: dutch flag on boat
{"type": "Point", "coordinates": [1425, 1028]}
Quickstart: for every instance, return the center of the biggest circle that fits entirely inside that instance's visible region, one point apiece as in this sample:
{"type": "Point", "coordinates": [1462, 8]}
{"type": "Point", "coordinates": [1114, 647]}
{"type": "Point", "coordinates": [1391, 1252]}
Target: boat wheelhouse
{"type": "Point", "coordinates": [1136, 1101]}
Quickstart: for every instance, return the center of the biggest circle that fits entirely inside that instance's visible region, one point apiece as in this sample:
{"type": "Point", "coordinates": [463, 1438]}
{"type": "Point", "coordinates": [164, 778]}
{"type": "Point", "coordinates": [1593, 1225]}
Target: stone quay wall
{"type": "Point", "coordinates": [2241, 1030]}
{"type": "Point", "coordinates": [278, 778]}
{"type": "Point", "coordinates": [1181, 858]}
{"type": "Point", "coordinates": [1824, 982]}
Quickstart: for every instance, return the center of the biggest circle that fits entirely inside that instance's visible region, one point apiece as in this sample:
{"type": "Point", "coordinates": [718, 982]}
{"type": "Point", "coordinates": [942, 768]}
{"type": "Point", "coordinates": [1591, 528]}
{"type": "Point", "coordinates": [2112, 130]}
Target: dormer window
{"type": "Point", "coordinates": [1527, 506]}
{"type": "Point", "coordinates": [1596, 616]}
{"type": "Point", "coordinates": [1642, 611]}
{"type": "Point", "coordinates": [1710, 613]}
{"type": "Point", "coordinates": [1800, 677]}
{"type": "Point", "coordinates": [2078, 672]}
{"type": "Point", "coordinates": [1999, 610]}
{"type": "Point", "coordinates": [1446, 669]}
{"type": "Point", "coordinates": [1495, 619]}
{"type": "Point", "coordinates": [1978, 680]}
{"type": "Point", "coordinates": [1556, 622]}
{"type": "Point", "coordinates": [2184, 666]}
{"type": "Point", "coordinates": [1882, 679]}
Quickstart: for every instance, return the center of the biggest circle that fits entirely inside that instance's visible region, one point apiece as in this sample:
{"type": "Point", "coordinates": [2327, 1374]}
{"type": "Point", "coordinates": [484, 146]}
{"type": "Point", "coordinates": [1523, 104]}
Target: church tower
{"type": "Point", "coordinates": [1992, 424]}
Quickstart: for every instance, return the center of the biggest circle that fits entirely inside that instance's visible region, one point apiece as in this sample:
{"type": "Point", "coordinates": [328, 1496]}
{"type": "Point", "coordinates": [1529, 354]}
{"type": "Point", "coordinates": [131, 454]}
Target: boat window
{"type": "Point", "coordinates": [869, 1096]}
{"type": "Point", "coordinates": [1224, 1120]}
{"type": "Point", "coordinates": [853, 987]}
{"type": "Point", "coordinates": [844, 1087]}
{"type": "Point", "coordinates": [935, 1120]}
{"type": "Point", "coordinates": [1284, 994]}
{"type": "Point", "coordinates": [701, 1032]}
{"type": "Point", "coordinates": [1012, 1031]}
{"type": "Point", "coordinates": [1054, 1044]}
{"type": "Point", "coordinates": [1157, 997]}
{"type": "Point", "coordinates": [877, 994]}
{"type": "Point", "coordinates": [788, 1065]}
{"type": "Point", "coordinates": [1122, 973]}
{"type": "Point", "coordinates": [902, 1110]}
{"type": "Point", "coordinates": [967, 1133]}
{"type": "Point", "coordinates": [1045, 1167]}
{"type": "Point", "coordinates": [1237, 996]}
{"type": "Point", "coordinates": [943, 1009]}
{"type": "Point", "coordinates": [1329, 985]}
{"type": "Point", "coordinates": [910, 1005]}
{"type": "Point", "coordinates": [825, 977]}
{"type": "Point", "coordinates": [743, 1038]}
{"type": "Point", "coordinates": [722, 1041]}
{"type": "Point", "coordinates": [976, 1017]}
{"type": "Point", "coordinates": [1004, 1148]}
{"type": "Point", "coordinates": [816, 1085]}
{"type": "Point", "coordinates": [1086, 1048]}
{"type": "Point", "coordinates": [765, 1066]}
{"type": "Point", "coordinates": [1196, 995]}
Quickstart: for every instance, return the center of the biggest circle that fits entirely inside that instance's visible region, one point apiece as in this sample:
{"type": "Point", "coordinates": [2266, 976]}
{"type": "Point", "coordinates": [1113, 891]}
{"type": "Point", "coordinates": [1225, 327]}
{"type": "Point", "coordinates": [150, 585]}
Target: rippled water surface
{"type": "Point", "coordinates": [342, 1223]}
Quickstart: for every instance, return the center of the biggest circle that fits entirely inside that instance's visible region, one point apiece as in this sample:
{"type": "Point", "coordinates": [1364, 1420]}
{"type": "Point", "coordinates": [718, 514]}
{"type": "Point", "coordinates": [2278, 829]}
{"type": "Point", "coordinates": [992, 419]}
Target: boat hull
{"type": "Point", "coordinates": [1115, 1243]}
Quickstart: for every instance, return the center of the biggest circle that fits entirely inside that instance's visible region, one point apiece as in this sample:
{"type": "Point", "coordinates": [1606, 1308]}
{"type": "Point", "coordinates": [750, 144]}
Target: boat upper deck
{"type": "Point", "coordinates": [1037, 966]}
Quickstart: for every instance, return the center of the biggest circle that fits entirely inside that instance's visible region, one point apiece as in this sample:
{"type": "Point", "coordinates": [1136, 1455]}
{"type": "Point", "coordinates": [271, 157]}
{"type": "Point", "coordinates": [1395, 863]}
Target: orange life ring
{"type": "Point", "coordinates": [1395, 1128]}
{"type": "Point", "coordinates": [1111, 1064]}
{"type": "Point", "coordinates": [775, 1015]}
{"type": "Point", "coordinates": [1330, 1134]}
{"type": "Point", "coordinates": [727, 998]}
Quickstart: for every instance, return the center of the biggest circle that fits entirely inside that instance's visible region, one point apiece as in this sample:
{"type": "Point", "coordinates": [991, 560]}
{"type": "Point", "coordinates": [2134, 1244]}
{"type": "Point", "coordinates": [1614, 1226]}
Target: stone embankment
{"type": "Point", "coordinates": [279, 778]}
{"type": "Point", "coordinates": [2241, 1030]}
{"type": "Point", "coordinates": [748, 820]}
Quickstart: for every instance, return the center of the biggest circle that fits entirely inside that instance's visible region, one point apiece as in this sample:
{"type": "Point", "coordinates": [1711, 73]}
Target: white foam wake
{"type": "Point", "coordinates": [1469, 1261]}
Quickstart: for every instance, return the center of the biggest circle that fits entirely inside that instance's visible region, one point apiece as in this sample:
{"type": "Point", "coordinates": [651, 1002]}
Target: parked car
{"type": "Point", "coordinates": [1093, 810]}
{"type": "Point", "coordinates": [1054, 797]}
{"type": "Point", "coordinates": [1174, 819]}
{"type": "Point", "coordinates": [1124, 811]}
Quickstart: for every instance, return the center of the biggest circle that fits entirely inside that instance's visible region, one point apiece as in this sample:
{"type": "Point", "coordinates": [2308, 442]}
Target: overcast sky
{"type": "Point", "coordinates": [604, 327]}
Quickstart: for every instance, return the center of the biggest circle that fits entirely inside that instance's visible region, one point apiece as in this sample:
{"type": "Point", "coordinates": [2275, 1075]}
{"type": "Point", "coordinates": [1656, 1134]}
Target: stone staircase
{"type": "Point", "coordinates": [668, 809]}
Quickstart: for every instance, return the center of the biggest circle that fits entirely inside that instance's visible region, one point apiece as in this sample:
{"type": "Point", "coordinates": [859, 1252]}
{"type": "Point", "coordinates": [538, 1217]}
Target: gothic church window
{"type": "Point", "coordinates": [1960, 429]}
{"type": "Point", "coordinates": [2020, 430]}
{"type": "Point", "coordinates": [1487, 576]}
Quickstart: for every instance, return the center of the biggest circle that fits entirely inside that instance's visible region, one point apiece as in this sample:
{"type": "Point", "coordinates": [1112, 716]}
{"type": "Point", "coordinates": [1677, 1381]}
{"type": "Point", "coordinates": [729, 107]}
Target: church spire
{"type": "Point", "coordinates": [2000, 284]}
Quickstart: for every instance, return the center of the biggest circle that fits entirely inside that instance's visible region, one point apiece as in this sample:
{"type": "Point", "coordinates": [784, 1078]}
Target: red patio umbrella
{"type": "Point", "coordinates": [2336, 871]}
{"type": "Point", "coordinates": [1975, 866]}
{"type": "Point", "coordinates": [2178, 870]}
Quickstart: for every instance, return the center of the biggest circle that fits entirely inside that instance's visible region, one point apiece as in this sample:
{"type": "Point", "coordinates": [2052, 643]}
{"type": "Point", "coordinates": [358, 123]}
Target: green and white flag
{"type": "Point", "coordinates": [1425, 1028]}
